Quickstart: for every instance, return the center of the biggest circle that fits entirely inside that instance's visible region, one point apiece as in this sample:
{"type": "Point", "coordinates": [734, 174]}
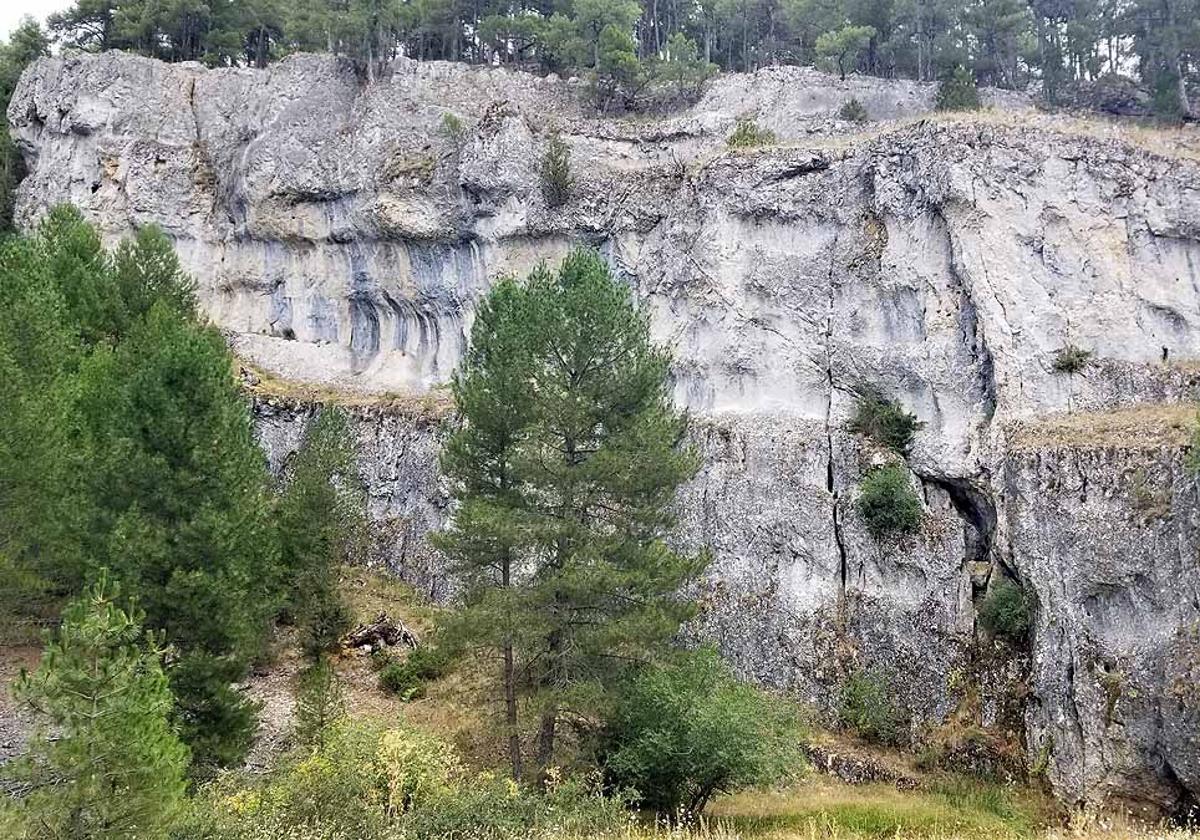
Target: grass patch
{"type": "Point", "coordinates": [747, 134]}
{"type": "Point", "coordinates": [369, 592]}
{"type": "Point", "coordinates": [822, 808]}
{"type": "Point", "coordinates": [434, 405]}
{"type": "Point", "coordinates": [1136, 427]}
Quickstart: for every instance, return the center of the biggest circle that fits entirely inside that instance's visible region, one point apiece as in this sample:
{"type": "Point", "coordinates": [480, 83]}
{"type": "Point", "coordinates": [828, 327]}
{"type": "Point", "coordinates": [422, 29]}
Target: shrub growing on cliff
{"type": "Point", "coordinates": [957, 92]}
{"type": "Point", "coordinates": [107, 764]}
{"type": "Point", "coordinates": [747, 134]}
{"type": "Point", "coordinates": [884, 420]}
{"type": "Point", "coordinates": [683, 732]}
{"type": "Point", "coordinates": [1071, 359]}
{"type": "Point", "coordinates": [853, 111]}
{"type": "Point", "coordinates": [887, 502]}
{"type": "Point", "coordinates": [1006, 611]}
{"type": "Point", "coordinates": [555, 172]}
{"type": "Point", "coordinates": [866, 709]}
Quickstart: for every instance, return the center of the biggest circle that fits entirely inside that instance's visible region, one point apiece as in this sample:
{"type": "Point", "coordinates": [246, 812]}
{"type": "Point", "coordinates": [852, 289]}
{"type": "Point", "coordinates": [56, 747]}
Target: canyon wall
{"type": "Point", "coordinates": [342, 232]}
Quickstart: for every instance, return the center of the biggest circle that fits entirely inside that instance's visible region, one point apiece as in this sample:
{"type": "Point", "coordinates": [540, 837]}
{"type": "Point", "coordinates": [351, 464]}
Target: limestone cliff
{"type": "Point", "coordinates": [343, 232]}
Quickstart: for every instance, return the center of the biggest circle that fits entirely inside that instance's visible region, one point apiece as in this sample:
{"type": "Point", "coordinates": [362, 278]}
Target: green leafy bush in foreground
{"type": "Point", "coordinates": [887, 502]}
{"type": "Point", "coordinates": [369, 781]}
{"type": "Point", "coordinates": [682, 733]}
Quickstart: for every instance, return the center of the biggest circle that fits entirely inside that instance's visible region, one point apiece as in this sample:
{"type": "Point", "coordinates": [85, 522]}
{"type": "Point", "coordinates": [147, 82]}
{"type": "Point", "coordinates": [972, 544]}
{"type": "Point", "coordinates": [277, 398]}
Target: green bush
{"type": "Point", "coordinates": [358, 783]}
{"type": "Point", "coordinates": [327, 621]}
{"type": "Point", "coordinates": [453, 128]}
{"type": "Point", "coordinates": [1006, 612]}
{"type": "Point", "coordinates": [1071, 359]}
{"type": "Point", "coordinates": [555, 172]}
{"type": "Point", "coordinates": [680, 734]}
{"type": "Point", "coordinates": [746, 134]}
{"type": "Point", "coordinates": [853, 111]}
{"type": "Point", "coordinates": [367, 781]}
{"type": "Point", "coordinates": [887, 502]}
{"type": "Point", "coordinates": [407, 679]}
{"type": "Point", "coordinates": [957, 92]}
{"type": "Point", "coordinates": [866, 709]}
{"type": "Point", "coordinates": [884, 420]}
{"type": "Point", "coordinates": [492, 807]}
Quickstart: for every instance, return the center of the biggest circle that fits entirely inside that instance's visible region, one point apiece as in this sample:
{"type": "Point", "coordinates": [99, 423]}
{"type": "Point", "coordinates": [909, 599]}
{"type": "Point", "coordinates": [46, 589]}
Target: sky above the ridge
{"type": "Point", "coordinates": [11, 11]}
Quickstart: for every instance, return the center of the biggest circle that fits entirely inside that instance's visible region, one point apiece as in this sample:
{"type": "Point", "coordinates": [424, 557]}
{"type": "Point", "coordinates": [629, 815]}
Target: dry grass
{"type": "Point", "coordinates": [1170, 143]}
{"type": "Point", "coordinates": [434, 405]}
{"type": "Point", "coordinates": [1136, 427]}
{"type": "Point", "coordinates": [1176, 143]}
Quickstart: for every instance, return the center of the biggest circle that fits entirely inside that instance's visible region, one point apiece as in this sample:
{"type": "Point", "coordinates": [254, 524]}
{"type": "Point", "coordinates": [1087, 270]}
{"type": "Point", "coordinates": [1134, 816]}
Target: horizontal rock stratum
{"type": "Point", "coordinates": [342, 232]}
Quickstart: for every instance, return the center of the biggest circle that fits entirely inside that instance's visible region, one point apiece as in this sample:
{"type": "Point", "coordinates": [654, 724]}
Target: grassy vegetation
{"type": "Point", "coordinates": [434, 405]}
{"type": "Point", "coordinates": [884, 420]}
{"type": "Point", "coordinates": [1136, 427]}
{"type": "Point", "coordinates": [825, 808]}
{"type": "Point", "coordinates": [747, 134]}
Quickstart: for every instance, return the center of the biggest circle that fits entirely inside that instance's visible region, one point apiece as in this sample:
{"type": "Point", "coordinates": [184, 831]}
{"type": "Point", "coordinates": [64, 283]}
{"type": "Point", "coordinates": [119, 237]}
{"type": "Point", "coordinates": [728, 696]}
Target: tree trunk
{"type": "Point", "coordinates": [510, 712]}
{"type": "Point", "coordinates": [545, 747]}
{"type": "Point", "coordinates": [1173, 59]}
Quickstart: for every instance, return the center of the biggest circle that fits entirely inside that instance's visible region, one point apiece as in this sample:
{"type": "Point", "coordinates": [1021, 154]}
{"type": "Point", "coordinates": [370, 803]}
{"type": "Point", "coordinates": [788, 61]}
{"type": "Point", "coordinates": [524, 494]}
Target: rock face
{"type": "Point", "coordinates": [342, 234]}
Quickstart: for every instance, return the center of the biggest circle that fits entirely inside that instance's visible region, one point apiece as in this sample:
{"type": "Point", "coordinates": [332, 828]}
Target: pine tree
{"type": "Point", "coordinates": [565, 471]}
{"type": "Point", "coordinates": [182, 512]}
{"type": "Point", "coordinates": [106, 763]}
{"type": "Point", "coordinates": [320, 521]}
{"type": "Point", "coordinates": [39, 547]}
{"type": "Point", "coordinates": [491, 392]}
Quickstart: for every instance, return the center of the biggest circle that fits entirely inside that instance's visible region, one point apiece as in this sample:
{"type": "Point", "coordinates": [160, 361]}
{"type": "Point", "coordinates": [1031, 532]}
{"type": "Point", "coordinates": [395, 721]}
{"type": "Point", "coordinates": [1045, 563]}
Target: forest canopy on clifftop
{"type": "Point", "coordinates": [1100, 44]}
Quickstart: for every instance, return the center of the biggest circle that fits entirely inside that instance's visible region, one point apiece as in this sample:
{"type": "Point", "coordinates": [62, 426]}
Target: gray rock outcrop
{"type": "Point", "coordinates": [341, 233]}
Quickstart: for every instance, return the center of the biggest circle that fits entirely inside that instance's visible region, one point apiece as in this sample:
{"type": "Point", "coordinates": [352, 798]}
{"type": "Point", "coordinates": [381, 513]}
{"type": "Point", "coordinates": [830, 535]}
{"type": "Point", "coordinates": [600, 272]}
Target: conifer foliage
{"type": "Point", "coordinates": [320, 523]}
{"type": "Point", "coordinates": [107, 763]}
{"type": "Point", "coordinates": [128, 447]}
{"type": "Point", "coordinates": [564, 470]}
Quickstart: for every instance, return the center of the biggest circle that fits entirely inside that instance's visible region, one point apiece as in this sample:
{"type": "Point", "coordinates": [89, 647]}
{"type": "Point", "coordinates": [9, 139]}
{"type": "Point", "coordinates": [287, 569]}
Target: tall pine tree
{"type": "Point", "coordinates": [565, 471]}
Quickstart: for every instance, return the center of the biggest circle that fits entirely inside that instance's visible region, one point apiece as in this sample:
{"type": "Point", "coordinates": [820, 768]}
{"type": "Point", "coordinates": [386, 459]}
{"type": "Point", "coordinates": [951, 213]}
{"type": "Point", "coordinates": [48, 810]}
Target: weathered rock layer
{"type": "Point", "coordinates": [342, 234]}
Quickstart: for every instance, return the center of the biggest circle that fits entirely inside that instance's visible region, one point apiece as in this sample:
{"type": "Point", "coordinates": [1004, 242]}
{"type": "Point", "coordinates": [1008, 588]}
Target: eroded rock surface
{"type": "Point", "coordinates": [342, 234]}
